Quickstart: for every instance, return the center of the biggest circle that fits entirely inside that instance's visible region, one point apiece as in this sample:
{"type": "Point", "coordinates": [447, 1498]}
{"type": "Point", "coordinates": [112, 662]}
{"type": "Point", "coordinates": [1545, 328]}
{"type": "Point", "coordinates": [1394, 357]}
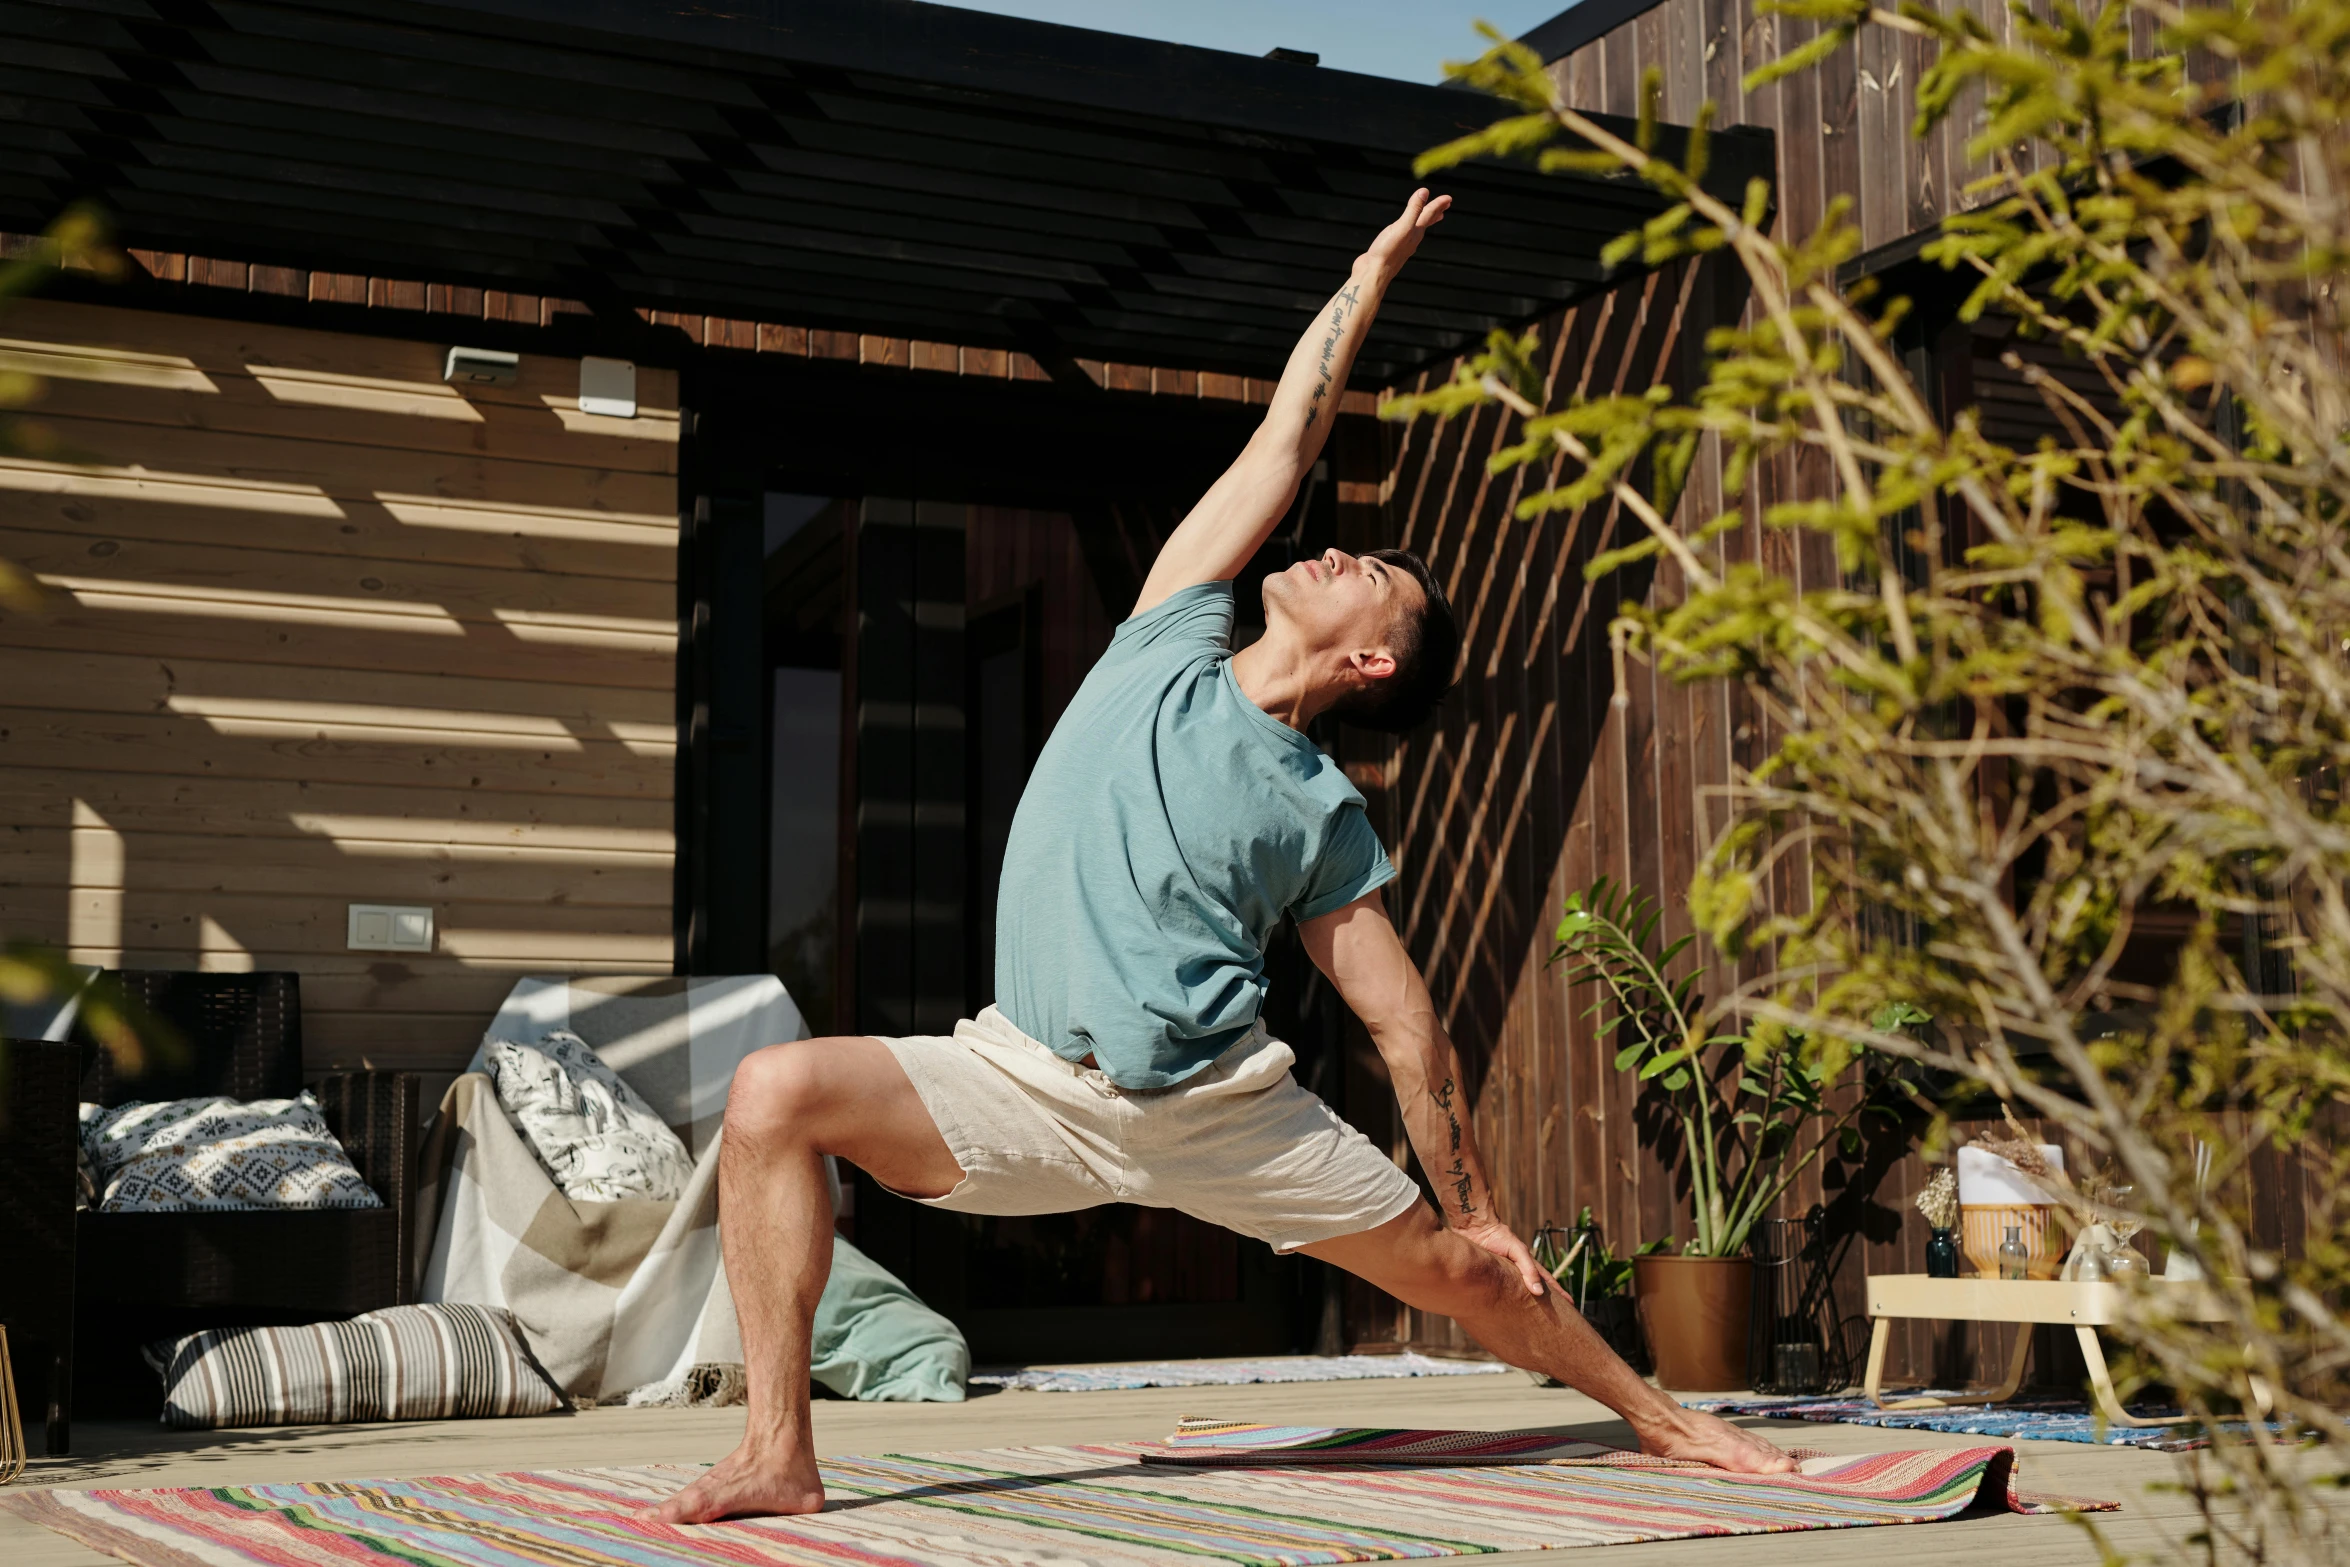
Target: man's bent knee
{"type": "Point", "coordinates": [776, 1091]}
{"type": "Point", "coordinates": [1471, 1281]}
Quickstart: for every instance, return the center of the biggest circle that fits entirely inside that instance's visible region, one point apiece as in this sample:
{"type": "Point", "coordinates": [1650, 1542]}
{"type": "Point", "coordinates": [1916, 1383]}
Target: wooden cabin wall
{"type": "Point", "coordinates": [1844, 128]}
{"type": "Point", "coordinates": [1533, 784]}
{"type": "Point", "coordinates": [320, 629]}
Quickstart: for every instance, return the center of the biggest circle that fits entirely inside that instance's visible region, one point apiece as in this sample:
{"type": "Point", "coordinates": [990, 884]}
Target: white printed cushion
{"type": "Point", "coordinates": [436, 1362]}
{"type": "Point", "coordinates": [599, 1141]}
{"type": "Point", "coordinates": [169, 1155]}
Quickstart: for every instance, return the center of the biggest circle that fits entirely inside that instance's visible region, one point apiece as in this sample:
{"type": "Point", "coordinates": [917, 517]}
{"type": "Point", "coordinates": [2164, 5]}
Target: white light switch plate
{"type": "Point", "coordinates": [390, 927]}
{"type": "Point", "coordinates": [607, 387]}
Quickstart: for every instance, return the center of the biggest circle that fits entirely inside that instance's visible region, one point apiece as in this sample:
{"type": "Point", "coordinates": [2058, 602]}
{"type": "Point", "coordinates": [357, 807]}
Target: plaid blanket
{"type": "Point", "coordinates": [613, 1297]}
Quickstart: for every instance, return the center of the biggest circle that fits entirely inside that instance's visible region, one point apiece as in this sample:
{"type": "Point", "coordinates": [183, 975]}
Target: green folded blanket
{"type": "Point", "coordinates": [875, 1341]}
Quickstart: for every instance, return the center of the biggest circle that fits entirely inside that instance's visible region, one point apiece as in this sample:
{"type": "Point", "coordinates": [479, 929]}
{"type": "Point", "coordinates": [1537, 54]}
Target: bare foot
{"type": "Point", "coordinates": [748, 1485]}
{"type": "Point", "coordinates": [1701, 1438]}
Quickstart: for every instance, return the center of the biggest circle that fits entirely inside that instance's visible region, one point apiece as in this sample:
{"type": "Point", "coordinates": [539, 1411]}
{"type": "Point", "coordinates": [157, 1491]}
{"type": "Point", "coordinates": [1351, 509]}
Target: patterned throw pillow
{"type": "Point", "coordinates": [436, 1362]}
{"type": "Point", "coordinates": [598, 1139]}
{"type": "Point", "coordinates": [169, 1155]}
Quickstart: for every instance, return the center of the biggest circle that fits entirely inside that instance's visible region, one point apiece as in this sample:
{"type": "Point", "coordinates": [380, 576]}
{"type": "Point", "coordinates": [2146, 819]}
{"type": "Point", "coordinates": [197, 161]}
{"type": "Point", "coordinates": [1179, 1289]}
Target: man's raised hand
{"type": "Point", "coordinates": [1399, 239]}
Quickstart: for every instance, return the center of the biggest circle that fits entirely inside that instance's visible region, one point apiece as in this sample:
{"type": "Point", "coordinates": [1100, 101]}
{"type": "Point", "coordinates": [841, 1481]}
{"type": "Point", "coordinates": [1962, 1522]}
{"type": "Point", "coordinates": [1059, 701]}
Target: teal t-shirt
{"type": "Point", "coordinates": [1168, 826]}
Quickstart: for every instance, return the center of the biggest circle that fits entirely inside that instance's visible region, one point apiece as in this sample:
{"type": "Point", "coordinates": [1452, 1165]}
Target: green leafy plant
{"type": "Point", "coordinates": [1753, 1115]}
{"type": "Point", "coordinates": [33, 972]}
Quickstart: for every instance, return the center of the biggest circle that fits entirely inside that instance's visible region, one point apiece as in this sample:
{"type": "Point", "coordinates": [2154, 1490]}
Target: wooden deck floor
{"type": "Point", "coordinates": [143, 1455]}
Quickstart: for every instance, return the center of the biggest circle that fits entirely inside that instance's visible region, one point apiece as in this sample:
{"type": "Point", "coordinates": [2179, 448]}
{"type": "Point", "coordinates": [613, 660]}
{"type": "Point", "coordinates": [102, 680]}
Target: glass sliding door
{"type": "Point", "coordinates": [803, 841]}
{"type": "Point", "coordinates": [805, 599]}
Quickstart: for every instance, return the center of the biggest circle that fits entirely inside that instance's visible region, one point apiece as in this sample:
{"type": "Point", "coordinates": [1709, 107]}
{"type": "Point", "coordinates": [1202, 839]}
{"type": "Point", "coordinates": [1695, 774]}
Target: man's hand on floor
{"type": "Point", "coordinates": [1503, 1242]}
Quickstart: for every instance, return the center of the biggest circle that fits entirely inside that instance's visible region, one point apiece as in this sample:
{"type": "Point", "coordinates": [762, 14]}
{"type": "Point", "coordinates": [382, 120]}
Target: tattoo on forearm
{"type": "Point", "coordinates": [1341, 308]}
{"type": "Point", "coordinates": [1456, 1175]}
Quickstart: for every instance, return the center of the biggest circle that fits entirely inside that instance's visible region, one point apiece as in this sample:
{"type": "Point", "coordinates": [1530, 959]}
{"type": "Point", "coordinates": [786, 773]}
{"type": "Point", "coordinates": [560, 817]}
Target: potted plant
{"type": "Point", "coordinates": [1752, 1114]}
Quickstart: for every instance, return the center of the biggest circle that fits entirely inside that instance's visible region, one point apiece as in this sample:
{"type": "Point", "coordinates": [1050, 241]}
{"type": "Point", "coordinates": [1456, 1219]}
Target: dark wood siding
{"type": "Point", "coordinates": [1533, 785]}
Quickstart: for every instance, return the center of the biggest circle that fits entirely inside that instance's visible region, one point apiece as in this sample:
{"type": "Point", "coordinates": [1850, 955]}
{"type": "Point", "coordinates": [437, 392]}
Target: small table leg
{"type": "Point", "coordinates": [1876, 1376]}
{"type": "Point", "coordinates": [1995, 1395]}
{"type": "Point", "coordinates": [2101, 1382]}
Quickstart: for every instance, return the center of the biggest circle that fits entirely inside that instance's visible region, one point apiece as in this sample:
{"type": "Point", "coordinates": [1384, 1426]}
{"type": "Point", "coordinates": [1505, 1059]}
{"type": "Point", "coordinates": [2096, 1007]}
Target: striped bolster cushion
{"type": "Point", "coordinates": [435, 1362]}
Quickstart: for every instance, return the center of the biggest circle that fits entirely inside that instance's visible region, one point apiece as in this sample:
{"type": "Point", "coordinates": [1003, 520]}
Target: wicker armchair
{"type": "Point", "coordinates": [140, 1276]}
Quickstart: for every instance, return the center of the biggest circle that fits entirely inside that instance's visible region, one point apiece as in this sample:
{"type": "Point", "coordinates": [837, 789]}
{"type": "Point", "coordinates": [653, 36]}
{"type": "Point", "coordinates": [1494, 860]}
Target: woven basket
{"type": "Point", "coordinates": [1983, 1226]}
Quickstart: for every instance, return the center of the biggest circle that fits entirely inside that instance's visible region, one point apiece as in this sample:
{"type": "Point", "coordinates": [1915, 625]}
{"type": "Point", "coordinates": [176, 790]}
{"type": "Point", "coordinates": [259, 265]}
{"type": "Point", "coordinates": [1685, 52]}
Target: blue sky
{"type": "Point", "coordinates": [1406, 39]}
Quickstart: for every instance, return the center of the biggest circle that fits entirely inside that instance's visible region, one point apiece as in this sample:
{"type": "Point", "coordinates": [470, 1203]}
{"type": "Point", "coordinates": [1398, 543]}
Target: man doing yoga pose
{"type": "Point", "coordinates": [1176, 817]}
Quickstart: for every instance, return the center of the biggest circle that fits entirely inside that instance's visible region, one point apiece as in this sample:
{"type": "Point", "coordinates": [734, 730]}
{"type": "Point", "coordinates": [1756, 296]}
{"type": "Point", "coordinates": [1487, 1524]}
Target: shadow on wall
{"type": "Point", "coordinates": [321, 629]}
{"type": "Point", "coordinates": [1533, 784]}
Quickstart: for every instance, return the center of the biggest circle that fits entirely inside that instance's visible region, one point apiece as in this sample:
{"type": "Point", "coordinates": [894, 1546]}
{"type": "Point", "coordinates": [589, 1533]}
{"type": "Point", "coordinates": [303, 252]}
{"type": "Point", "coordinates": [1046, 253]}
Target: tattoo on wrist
{"type": "Point", "coordinates": [1456, 1174]}
{"type": "Point", "coordinates": [1341, 308]}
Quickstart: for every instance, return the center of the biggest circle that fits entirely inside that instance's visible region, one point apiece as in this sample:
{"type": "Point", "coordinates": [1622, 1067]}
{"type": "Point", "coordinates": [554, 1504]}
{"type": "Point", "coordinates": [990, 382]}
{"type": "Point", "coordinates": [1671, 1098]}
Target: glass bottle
{"type": "Point", "coordinates": [2015, 1258]}
{"type": "Point", "coordinates": [1941, 1254]}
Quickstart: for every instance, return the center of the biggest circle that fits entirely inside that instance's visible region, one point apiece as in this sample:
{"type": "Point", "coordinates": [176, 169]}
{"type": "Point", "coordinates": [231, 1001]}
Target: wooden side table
{"type": "Point", "coordinates": [2087, 1307]}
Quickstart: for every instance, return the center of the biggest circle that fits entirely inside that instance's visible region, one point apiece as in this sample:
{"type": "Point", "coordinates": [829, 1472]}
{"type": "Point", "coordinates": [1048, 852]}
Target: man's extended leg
{"type": "Point", "coordinates": [791, 1105]}
{"type": "Point", "coordinates": [1434, 1269]}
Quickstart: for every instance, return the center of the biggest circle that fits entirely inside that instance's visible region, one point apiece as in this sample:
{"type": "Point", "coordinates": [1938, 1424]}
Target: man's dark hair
{"type": "Point", "coordinates": [1425, 645]}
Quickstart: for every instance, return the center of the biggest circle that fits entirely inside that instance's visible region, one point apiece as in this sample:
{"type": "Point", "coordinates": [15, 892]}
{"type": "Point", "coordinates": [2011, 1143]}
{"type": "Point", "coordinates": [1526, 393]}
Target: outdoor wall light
{"type": "Point", "coordinates": [481, 367]}
{"type": "Point", "coordinates": [607, 387]}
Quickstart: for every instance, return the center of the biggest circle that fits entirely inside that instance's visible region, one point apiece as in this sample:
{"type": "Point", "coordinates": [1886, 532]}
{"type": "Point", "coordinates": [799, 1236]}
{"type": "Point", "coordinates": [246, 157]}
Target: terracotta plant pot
{"type": "Point", "coordinates": [1694, 1311]}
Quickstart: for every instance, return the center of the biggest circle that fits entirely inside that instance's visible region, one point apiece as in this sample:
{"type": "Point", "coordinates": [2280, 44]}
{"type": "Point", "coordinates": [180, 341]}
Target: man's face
{"type": "Point", "coordinates": [1342, 602]}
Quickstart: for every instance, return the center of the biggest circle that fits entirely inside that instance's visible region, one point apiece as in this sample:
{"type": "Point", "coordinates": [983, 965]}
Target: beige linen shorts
{"type": "Point", "coordinates": [1239, 1144]}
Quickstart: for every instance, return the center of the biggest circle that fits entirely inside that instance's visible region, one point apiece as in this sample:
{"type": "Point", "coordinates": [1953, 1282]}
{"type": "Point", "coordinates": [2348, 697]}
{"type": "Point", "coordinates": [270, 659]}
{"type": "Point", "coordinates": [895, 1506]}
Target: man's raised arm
{"type": "Point", "coordinates": [1358, 948]}
{"type": "Point", "coordinates": [1232, 521]}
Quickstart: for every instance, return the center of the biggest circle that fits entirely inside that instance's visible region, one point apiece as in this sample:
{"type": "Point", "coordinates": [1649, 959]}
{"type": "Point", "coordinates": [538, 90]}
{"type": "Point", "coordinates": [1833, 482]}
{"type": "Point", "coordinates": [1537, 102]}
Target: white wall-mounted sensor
{"type": "Point", "coordinates": [389, 927]}
{"type": "Point", "coordinates": [481, 367]}
{"type": "Point", "coordinates": [607, 387]}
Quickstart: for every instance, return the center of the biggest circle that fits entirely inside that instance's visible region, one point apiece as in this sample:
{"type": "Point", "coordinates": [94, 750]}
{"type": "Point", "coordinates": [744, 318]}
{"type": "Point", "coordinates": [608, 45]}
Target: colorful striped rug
{"type": "Point", "coordinates": [1233, 1373]}
{"type": "Point", "coordinates": [1228, 1443]}
{"type": "Point", "coordinates": [2040, 1419]}
{"type": "Point", "coordinates": [1068, 1506]}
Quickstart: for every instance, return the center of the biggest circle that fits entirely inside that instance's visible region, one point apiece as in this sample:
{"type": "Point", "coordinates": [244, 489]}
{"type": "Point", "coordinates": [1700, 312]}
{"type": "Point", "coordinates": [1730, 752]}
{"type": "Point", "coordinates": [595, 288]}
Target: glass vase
{"type": "Point", "coordinates": [2015, 1258]}
{"type": "Point", "coordinates": [1941, 1254]}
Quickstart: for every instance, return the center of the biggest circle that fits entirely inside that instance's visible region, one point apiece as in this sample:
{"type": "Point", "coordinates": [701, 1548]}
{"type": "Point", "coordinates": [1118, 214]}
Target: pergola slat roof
{"type": "Point", "coordinates": [879, 166]}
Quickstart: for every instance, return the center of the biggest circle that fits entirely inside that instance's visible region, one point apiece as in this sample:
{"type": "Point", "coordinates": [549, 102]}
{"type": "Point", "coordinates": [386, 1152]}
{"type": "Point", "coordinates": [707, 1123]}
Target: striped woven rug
{"type": "Point", "coordinates": [1153, 1505]}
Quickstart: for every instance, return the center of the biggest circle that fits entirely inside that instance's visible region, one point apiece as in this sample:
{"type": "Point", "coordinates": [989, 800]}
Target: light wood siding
{"type": "Point", "coordinates": [321, 630]}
